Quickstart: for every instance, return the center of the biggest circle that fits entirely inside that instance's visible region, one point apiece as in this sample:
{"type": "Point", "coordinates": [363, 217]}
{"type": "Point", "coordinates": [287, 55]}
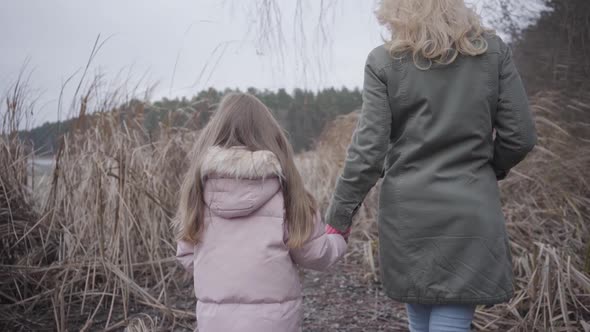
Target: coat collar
{"type": "Point", "coordinates": [238, 162]}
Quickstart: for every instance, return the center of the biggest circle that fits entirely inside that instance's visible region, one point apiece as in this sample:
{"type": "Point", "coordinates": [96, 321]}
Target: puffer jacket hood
{"type": "Point", "coordinates": [228, 200]}
{"type": "Point", "coordinates": [240, 163]}
{"type": "Point", "coordinates": [242, 200]}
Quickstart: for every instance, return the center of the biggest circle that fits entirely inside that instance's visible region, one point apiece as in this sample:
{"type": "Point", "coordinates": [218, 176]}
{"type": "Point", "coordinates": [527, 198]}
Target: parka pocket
{"type": "Point", "coordinates": [469, 178]}
{"type": "Point", "coordinates": [466, 267]}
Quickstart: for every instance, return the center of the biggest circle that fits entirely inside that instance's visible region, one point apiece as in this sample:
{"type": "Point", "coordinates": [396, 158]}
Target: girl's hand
{"type": "Point", "coordinates": [332, 230]}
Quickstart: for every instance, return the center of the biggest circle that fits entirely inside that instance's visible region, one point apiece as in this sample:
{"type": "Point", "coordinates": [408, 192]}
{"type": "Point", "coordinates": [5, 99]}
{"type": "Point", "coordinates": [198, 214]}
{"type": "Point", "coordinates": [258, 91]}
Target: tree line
{"type": "Point", "coordinates": [302, 113]}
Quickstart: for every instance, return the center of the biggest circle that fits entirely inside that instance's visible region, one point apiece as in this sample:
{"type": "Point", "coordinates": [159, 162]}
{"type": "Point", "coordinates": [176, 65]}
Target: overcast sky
{"type": "Point", "coordinates": [183, 45]}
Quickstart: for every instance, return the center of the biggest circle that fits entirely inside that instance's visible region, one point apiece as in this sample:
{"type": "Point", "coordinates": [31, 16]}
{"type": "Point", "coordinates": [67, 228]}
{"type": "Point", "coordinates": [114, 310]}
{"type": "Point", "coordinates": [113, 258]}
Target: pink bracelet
{"type": "Point", "coordinates": [332, 230]}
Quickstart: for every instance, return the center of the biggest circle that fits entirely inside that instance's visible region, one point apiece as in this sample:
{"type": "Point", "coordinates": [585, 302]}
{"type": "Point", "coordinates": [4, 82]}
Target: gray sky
{"type": "Point", "coordinates": [199, 43]}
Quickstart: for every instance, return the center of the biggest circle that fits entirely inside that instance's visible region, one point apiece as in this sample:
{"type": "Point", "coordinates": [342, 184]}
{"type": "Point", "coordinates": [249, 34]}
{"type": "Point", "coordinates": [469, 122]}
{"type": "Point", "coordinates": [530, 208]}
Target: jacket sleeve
{"type": "Point", "coordinates": [321, 251]}
{"type": "Point", "coordinates": [185, 255]}
{"type": "Point", "coordinates": [367, 151]}
{"type": "Point", "coordinates": [515, 128]}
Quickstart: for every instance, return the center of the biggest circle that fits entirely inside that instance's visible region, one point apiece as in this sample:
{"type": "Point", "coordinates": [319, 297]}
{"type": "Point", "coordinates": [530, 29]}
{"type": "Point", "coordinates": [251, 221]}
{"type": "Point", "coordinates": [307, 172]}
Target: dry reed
{"type": "Point", "coordinates": [93, 249]}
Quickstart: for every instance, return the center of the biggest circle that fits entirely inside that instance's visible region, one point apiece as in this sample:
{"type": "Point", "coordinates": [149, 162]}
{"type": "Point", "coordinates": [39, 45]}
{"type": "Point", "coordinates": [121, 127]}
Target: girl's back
{"type": "Point", "coordinates": [243, 257]}
{"type": "Point", "coordinates": [244, 266]}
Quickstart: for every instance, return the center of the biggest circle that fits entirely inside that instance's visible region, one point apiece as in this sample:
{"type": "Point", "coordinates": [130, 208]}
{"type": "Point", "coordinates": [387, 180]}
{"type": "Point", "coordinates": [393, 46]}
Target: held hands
{"type": "Point", "coordinates": [332, 230]}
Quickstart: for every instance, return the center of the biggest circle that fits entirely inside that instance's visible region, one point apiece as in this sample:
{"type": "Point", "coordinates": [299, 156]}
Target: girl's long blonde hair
{"type": "Point", "coordinates": [434, 31]}
{"type": "Point", "coordinates": [243, 120]}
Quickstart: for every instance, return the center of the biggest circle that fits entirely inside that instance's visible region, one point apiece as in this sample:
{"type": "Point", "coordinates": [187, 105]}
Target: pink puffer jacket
{"type": "Point", "coordinates": [246, 278]}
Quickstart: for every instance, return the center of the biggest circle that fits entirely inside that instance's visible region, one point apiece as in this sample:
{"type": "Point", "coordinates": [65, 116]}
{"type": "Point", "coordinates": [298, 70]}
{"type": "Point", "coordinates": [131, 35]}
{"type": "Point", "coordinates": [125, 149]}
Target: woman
{"type": "Point", "coordinates": [433, 97]}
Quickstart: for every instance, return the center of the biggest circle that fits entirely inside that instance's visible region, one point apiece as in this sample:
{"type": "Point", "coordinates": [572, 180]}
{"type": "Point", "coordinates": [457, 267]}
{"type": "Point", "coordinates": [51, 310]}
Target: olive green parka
{"type": "Point", "coordinates": [430, 133]}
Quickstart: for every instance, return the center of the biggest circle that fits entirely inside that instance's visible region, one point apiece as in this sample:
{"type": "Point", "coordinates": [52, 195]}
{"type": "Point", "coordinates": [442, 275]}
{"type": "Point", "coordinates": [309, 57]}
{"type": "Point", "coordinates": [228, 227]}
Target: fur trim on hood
{"type": "Point", "coordinates": [238, 162]}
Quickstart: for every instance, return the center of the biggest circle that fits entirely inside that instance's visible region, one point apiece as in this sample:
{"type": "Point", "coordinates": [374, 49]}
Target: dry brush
{"type": "Point", "coordinates": [90, 247]}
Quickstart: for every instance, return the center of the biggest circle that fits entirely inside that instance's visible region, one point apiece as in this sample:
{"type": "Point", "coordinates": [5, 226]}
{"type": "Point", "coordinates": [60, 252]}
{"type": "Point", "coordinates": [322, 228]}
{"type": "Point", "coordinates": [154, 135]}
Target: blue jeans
{"type": "Point", "coordinates": [440, 318]}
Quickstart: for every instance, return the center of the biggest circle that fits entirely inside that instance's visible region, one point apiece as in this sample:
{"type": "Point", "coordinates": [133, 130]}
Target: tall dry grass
{"type": "Point", "coordinates": [91, 249]}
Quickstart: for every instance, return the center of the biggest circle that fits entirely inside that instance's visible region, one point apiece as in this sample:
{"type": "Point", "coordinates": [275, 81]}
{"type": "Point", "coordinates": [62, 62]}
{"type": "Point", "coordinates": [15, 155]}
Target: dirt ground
{"type": "Point", "coordinates": [346, 299]}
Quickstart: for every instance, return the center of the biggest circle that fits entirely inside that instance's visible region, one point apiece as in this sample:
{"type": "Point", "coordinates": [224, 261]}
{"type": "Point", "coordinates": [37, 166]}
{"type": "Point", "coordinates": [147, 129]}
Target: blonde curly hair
{"type": "Point", "coordinates": [434, 31]}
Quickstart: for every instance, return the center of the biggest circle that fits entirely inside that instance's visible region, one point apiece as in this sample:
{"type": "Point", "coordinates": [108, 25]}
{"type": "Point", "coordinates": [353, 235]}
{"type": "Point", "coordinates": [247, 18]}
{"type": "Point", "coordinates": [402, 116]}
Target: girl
{"type": "Point", "coordinates": [245, 222]}
{"type": "Point", "coordinates": [433, 96]}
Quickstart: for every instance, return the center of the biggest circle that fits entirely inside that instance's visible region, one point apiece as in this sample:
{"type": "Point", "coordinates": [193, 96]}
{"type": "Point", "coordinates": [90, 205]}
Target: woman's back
{"type": "Point", "coordinates": [447, 109]}
{"type": "Point", "coordinates": [445, 116]}
{"type": "Point", "coordinates": [441, 227]}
